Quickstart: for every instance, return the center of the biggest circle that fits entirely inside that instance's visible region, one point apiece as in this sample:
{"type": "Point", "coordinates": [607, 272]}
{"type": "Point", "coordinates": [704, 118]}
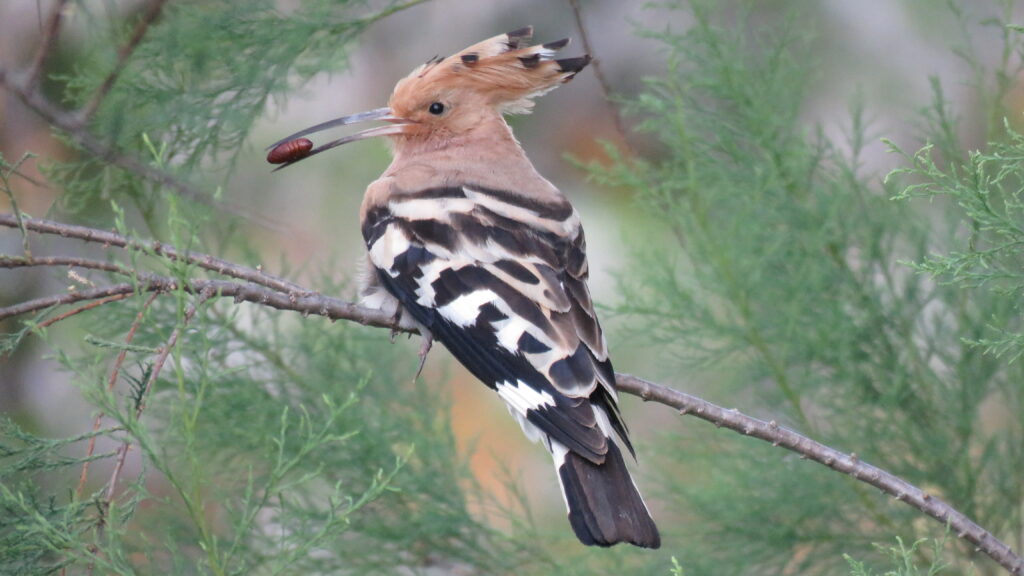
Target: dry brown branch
{"type": "Point", "coordinates": [606, 90]}
{"type": "Point", "coordinates": [59, 261]}
{"type": "Point", "coordinates": [74, 297]}
{"type": "Point", "coordinates": [305, 301]}
{"type": "Point", "coordinates": [115, 373]}
{"type": "Point", "coordinates": [112, 239]}
{"type": "Point", "coordinates": [158, 364]}
{"type": "Point", "coordinates": [83, 308]}
{"type": "Point", "coordinates": [46, 45]}
{"type": "Point", "coordinates": [123, 53]}
{"type": "Point", "coordinates": [848, 464]}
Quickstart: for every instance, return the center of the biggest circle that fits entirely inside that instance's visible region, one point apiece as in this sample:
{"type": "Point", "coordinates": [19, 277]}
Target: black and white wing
{"type": "Point", "coordinates": [500, 280]}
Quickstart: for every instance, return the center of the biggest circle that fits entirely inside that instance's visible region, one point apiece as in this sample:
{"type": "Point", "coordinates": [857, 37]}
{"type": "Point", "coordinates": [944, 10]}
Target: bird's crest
{"type": "Point", "coordinates": [504, 70]}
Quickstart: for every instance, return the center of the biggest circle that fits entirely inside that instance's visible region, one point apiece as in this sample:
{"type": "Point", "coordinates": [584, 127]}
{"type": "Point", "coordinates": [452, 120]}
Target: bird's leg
{"type": "Point", "coordinates": [428, 341]}
{"type": "Point", "coordinates": [396, 321]}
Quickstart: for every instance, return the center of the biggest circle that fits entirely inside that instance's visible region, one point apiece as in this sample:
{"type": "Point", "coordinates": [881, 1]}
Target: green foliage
{"type": "Point", "coordinates": [904, 559]}
{"type": "Point", "coordinates": [194, 88]}
{"type": "Point", "coordinates": [284, 450]}
{"type": "Point", "coordinates": [986, 188]}
{"type": "Point", "coordinates": [784, 275]}
{"type": "Point", "coordinates": [783, 267]}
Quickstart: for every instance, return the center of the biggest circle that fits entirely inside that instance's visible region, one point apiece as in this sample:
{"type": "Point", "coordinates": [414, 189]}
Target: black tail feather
{"type": "Point", "coordinates": [605, 507]}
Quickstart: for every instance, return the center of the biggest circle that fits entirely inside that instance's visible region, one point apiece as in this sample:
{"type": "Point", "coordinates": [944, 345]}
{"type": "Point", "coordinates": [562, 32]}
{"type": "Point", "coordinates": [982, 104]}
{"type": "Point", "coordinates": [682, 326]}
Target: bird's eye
{"type": "Point", "coordinates": [437, 108]}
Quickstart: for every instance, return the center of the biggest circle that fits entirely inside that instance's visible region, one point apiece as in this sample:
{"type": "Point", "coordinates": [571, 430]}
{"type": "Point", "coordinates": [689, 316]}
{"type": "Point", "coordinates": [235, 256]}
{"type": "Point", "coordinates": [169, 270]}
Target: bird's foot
{"type": "Point", "coordinates": [396, 321]}
{"type": "Point", "coordinates": [428, 341]}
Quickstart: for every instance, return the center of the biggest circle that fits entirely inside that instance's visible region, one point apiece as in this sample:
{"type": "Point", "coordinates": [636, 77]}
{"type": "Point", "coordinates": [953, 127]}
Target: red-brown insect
{"type": "Point", "coordinates": [290, 151]}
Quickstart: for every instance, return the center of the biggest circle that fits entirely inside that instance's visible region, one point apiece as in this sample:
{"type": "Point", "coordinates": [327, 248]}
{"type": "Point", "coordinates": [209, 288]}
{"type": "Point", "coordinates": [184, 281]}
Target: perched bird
{"type": "Point", "coordinates": [469, 244]}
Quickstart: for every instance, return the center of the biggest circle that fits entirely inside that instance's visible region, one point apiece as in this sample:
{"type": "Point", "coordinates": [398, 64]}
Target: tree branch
{"type": "Point", "coordinates": [158, 364]}
{"type": "Point", "coordinates": [59, 261]}
{"type": "Point", "coordinates": [45, 302]}
{"type": "Point", "coordinates": [49, 40]}
{"type": "Point", "coordinates": [108, 239]}
{"type": "Point", "coordinates": [298, 299]}
{"type": "Point", "coordinates": [809, 449]}
{"type": "Point", "coordinates": [70, 123]}
{"type": "Point", "coordinates": [606, 90]}
{"type": "Point", "coordinates": [115, 373]}
{"type": "Point", "coordinates": [311, 303]}
{"type": "Point", "coordinates": [123, 53]}
{"type": "Point", "coordinates": [82, 308]}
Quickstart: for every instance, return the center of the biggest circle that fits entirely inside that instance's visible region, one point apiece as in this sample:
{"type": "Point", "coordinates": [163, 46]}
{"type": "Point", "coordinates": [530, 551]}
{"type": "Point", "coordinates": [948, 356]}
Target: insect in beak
{"type": "Point", "coordinates": [294, 148]}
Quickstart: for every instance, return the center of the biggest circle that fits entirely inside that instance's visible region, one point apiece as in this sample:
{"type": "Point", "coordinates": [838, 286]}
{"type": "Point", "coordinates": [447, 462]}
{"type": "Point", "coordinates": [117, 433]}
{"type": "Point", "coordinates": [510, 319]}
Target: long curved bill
{"type": "Point", "coordinates": [382, 114]}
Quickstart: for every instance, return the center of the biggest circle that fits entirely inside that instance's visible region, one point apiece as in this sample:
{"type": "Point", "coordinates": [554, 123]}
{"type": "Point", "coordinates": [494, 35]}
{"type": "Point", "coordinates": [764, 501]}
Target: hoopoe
{"type": "Point", "coordinates": [470, 245]}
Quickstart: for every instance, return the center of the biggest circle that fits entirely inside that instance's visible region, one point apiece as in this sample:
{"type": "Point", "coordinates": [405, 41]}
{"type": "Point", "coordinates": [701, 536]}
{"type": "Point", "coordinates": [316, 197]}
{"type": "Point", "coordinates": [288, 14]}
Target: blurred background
{"type": "Point", "coordinates": [879, 54]}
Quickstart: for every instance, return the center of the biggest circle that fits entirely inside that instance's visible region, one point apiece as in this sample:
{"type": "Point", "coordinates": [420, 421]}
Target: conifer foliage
{"type": "Point", "coordinates": [228, 435]}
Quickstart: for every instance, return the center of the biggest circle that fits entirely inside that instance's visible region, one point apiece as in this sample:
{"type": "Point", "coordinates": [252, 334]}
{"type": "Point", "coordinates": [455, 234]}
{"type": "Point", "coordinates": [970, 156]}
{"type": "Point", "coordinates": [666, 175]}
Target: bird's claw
{"type": "Point", "coordinates": [395, 322]}
{"type": "Point", "coordinates": [428, 341]}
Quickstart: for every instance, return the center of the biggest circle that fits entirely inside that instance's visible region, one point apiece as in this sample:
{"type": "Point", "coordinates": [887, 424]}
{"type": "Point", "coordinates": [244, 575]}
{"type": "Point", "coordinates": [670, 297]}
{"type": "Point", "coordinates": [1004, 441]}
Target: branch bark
{"type": "Point", "coordinates": [46, 45]}
{"type": "Point", "coordinates": [267, 290]}
{"type": "Point", "coordinates": [602, 80]}
{"type": "Point", "coordinates": [809, 449]}
{"type": "Point", "coordinates": [112, 239]}
{"type": "Point", "coordinates": [123, 54]}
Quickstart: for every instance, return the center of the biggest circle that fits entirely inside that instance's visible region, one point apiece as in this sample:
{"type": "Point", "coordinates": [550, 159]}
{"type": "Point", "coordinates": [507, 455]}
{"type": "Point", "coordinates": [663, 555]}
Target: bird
{"type": "Point", "coordinates": [468, 244]}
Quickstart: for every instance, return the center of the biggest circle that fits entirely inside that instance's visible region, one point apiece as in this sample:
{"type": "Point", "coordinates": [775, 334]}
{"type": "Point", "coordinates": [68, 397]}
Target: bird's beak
{"type": "Point", "coordinates": [397, 126]}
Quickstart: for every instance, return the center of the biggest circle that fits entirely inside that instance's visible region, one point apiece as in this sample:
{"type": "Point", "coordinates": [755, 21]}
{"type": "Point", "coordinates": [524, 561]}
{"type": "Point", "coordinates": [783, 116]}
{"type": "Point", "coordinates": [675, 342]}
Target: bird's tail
{"type": "Point", "coordinates": [605, 507]}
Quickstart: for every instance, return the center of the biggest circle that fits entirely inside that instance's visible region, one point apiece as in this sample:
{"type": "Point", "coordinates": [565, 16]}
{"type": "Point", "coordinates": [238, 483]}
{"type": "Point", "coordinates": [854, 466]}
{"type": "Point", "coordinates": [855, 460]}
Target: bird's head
{"type": "Point", "coordinates": [453, 96]}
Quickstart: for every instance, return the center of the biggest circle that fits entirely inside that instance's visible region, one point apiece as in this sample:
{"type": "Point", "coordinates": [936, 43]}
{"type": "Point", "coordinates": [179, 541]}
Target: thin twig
{"type": "Point", "coordinates": [595, 65]}
{"type": "Point", "coordinates": [308, 303]}
{"type": "Point", "coordinates": [82, 308]}
{"type": "Point", "coordinates": [158, 364]}
{"type": "Point", "coordinates": [204, 261]}
{"type": "Point", "coordinates": [58, 261]}
{"type": "Point", "coordinates": [123, 53]}
{"type": "Point", "coordinates": [115, 373]}
{"type": "Point", "coordinates": [45, 302]}
{"type": "Point", "coordinates": [31, 180]}
{"type": "Point", "coordinates": [849, 464]}
{"type": "Point", "coordinates": [46, 45]}
{"type": "Point", "coordinates": [5, 175]}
